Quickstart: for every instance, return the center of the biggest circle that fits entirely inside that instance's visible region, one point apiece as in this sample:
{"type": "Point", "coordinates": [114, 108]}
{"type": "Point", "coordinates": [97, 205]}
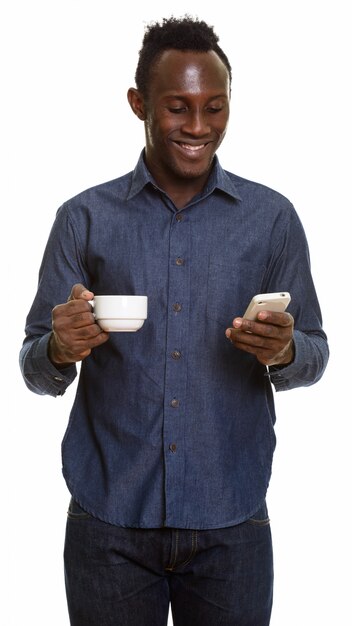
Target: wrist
{"type": "Point", "coordinates": [55, 355]}
{"type": "Point", "coordinates": [288, 355]}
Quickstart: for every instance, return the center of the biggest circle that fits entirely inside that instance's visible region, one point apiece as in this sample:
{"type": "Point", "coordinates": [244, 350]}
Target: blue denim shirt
{"type": "Point", "coordinates": [172, 425]}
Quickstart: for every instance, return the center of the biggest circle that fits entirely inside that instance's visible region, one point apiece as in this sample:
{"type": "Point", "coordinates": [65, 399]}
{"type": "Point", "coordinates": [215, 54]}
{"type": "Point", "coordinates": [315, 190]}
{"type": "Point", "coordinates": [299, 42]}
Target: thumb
{"type": "Point", "coordinates": [80, 292]}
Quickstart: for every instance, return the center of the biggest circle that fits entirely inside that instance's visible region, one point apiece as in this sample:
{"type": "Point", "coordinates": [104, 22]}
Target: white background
{"type": "Point", "coordinates": [66, 125]}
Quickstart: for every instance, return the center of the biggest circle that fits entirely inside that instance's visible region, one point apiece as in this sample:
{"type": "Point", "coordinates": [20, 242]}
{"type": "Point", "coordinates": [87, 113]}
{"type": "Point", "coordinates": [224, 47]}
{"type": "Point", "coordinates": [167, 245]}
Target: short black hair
{"type": "Point", "coordinates": [186, 33]}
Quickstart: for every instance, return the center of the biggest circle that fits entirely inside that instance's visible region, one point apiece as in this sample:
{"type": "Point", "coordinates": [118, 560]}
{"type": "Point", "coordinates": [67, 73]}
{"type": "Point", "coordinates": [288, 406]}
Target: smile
{"type": "Point", "coordinates": [187, 146]}
{"type": "Point", "coordinates": [192, 151]}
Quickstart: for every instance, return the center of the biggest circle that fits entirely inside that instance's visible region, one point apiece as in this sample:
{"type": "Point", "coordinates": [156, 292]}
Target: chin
{"type": "Point", "coordinates": [194, 170]}
{"type": "Point", "coordinates": [191, 174]}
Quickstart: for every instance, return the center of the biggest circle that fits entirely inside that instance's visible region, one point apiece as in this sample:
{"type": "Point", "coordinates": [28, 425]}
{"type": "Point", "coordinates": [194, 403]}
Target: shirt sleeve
{"type": "Point", "coordinates": [63, 265]}
{"type": "Point", "coordinates": [291, 271]}
{"type": "Point", "coordinates": [39, 374]}
{"type": "Point", "coordinates": [311, 357]}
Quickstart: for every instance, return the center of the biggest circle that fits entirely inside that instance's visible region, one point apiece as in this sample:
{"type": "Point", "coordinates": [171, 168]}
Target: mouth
{"type": "Point", "coordinates": [191, 150]}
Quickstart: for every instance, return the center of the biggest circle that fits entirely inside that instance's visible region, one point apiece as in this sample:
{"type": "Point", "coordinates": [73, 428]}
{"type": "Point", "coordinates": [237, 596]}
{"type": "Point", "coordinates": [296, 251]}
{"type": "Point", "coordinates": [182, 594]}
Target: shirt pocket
{"type": "Point", "coordinates": [230, 288]}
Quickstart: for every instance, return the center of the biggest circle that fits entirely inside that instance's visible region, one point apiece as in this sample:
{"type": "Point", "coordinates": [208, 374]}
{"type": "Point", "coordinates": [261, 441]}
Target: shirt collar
{"type": "Point", "coordinates": [218, 179]}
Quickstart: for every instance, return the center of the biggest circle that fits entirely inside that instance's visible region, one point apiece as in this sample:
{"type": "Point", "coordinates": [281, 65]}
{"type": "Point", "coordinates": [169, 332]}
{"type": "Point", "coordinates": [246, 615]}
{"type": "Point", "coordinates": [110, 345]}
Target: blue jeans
{"type": "Point", "coordinates": [128, 577]}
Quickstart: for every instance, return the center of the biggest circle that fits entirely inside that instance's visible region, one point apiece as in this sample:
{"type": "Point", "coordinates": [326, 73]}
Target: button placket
{"type": "Point", "coordinates": [176, 363]}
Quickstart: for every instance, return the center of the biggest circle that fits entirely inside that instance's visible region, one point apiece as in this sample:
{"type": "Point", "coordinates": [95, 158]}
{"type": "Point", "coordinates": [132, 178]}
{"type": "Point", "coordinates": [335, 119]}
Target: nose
{"type": "Point", "coordinates": [196, 123]}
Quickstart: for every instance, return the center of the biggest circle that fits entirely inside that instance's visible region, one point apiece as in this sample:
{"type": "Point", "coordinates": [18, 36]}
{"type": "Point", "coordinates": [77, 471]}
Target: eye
{"type": "Point", "coordinates": [214, 109]}
{"type": "Point", "coordinates": [177, 110]}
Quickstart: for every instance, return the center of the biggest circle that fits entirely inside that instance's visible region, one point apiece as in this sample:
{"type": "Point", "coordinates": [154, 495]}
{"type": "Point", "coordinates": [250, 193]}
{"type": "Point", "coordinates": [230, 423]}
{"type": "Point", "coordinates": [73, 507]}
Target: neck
{"type": "Point", "coordinates": [180, 190]}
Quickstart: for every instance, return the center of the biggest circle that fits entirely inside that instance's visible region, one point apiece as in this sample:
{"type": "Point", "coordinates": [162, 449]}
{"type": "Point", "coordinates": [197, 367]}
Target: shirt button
{"type": "Point", "coordinates": [173, 447]}
{"type": "Point", "coordinates": [175, 403]}
{"type": "Point", "coordinates": [58, 379]}
{"type": "Point", "coordinates": [176, 354]}
{"type": "Point", "coordinates": [180, 261]}
{"type": "Point", "coordinates": [177, 307]}
{"type": "Point", "coordinates": [179, 217]}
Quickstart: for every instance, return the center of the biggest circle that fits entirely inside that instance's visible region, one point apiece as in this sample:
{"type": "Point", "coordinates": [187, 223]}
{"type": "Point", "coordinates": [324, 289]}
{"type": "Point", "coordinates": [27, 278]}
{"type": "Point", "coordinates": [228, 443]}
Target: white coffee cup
{"type": "Point", "coordinates": [120, 313]}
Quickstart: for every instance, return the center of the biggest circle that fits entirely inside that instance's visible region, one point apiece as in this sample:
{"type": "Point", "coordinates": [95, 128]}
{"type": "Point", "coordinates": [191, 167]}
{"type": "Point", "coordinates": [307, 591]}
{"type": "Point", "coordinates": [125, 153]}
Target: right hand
{"type": "Point", "coordinates": [74, 330]}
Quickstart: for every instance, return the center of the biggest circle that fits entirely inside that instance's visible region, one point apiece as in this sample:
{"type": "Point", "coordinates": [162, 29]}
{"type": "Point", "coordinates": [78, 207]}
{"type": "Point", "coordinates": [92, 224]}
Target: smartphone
{"type": "Point", "coordinates": [267, 302]}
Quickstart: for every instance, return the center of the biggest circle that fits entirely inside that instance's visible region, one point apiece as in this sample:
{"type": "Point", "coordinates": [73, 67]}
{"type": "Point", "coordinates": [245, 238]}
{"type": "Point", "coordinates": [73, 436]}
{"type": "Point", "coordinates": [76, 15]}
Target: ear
{"type": "Point", "coordinates": [136, 101]}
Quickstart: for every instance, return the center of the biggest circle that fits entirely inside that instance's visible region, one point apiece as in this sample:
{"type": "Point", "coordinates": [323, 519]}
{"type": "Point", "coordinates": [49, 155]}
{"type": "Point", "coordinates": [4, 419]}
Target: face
{"type": "Point", "coordinates": [185, 115]}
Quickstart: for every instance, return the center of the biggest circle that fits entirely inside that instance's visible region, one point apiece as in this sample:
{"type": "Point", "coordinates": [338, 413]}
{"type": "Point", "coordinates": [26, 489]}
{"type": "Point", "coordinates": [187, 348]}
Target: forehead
{"type": "Point", "coordinates": [189, 71]}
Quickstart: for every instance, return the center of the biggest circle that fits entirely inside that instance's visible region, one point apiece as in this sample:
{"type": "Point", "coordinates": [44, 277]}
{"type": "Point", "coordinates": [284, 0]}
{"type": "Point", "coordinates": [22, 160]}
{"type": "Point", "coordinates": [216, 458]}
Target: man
{"type": "Point", "coordinates": [169, 446]}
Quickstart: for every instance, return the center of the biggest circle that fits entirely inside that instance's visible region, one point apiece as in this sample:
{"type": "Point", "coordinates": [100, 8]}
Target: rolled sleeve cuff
{"type": "Point", "coordinates": [40, 375]}
{"type": "Point", "coordinates": [306, 368]}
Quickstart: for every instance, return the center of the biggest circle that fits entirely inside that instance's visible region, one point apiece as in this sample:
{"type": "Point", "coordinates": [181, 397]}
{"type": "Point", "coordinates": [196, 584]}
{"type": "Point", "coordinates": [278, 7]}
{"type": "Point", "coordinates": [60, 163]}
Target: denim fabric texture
{"type": "Point", "coordinates": [171, 425]}
{"type": "Point", "coordinates": [128, 577]}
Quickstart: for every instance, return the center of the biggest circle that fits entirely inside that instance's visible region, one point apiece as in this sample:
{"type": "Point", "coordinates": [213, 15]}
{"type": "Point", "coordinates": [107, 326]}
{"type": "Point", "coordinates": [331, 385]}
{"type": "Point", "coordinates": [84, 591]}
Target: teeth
{"type": "Point", "coordinates": [187, 146]}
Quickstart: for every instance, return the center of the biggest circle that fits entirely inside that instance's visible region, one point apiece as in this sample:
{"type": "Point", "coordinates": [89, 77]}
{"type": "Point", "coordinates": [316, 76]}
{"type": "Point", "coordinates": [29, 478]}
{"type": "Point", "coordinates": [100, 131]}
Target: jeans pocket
{"type": "Point", "coordinates": [261, 517]}
{"type": "Point", "coordinates": [75, 512]}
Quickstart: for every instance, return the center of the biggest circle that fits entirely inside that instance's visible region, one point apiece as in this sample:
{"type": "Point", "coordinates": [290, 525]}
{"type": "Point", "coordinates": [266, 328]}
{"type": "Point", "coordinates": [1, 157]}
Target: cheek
{"type": "Point", "coordinates": [156, 131]}
{"type": "Point", "coordinates": [221, 124]}
{"type": "Point", "coordinates": [221, 130]}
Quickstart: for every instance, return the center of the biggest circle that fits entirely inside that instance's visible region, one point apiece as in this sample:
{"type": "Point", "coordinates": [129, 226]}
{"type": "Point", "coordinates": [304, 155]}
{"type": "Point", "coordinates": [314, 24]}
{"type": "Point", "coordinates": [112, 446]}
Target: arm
{"type": "Point", "coordinates": [48, 362]}
{"type": "Point", "coordinates": [294, 358]}
{"type": "Point", "coordinates": [59, 336]}
{"type": "Point", "coordinates": [292, 345]}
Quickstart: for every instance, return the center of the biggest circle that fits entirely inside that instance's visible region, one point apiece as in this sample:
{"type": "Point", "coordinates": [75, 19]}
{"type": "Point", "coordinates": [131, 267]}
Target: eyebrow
{"type": "Point", "coordinates": [184, 98]}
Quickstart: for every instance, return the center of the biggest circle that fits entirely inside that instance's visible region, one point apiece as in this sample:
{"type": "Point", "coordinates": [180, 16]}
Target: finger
{"type": "Point", "coordinates": [71, 308]}
{"type": "Point", "coordinates": [80, 292]}
{"type": "Point", "coordinates": [73, 322]}
{"type": "Point", "coordinates": [243, 327]}
{"type": "Point", "coordinates": [275, 318]}
{"type": "Point", "coordinates": [85, 345]}
{"type": "Point", "coordinates": [83, 319]}
{"type": "Point", "coordinates": [268, 323]}
{"type": "Point", "coordinates": [268, 338]}
{"type": "Point", "coordinates": [71, 349]}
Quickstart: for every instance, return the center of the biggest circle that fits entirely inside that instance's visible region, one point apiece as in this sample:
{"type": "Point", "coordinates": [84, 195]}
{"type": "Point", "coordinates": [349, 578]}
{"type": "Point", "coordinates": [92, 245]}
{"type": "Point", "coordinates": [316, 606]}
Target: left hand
{"type": "Point", "coordinates": [269, 338]}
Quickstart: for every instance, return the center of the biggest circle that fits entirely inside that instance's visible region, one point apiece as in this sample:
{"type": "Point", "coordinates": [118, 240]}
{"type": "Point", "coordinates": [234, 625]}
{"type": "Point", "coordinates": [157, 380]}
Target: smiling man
{"type": "Point", "coordinates": [185, 108]}
{"type": "Point", "coordinates": [170, 441]}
